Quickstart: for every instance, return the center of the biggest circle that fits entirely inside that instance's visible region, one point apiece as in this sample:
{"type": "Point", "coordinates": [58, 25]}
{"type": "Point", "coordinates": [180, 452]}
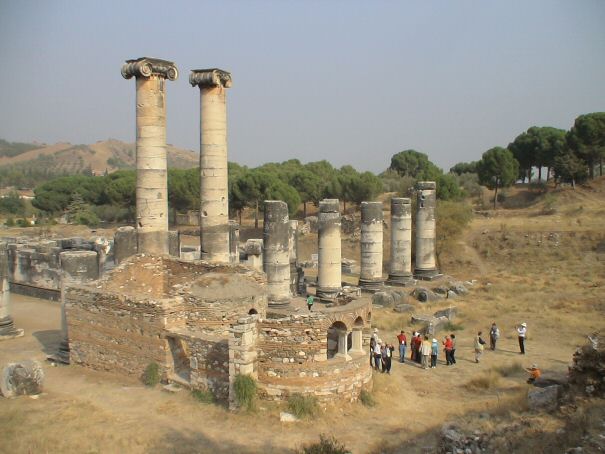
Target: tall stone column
{"type": "Point", "coordinates": [7, 326]}
{"type": "Point", "coordinates": [370, 277]}
{"type": "Point", "coordinates": [329, 282]}
{"type": "Point", "coordinates": [400, 266]}
{"type": "Point", "coordinates": [152, 181]}
{"type": "Point", "coordinates": [214, 190]}
{"type": "Point", "coordinates": [276, 257]}
{"type": "Point", "coordinates": [425, 230]}
{"type": "Point", "coordinates": [293, 254]}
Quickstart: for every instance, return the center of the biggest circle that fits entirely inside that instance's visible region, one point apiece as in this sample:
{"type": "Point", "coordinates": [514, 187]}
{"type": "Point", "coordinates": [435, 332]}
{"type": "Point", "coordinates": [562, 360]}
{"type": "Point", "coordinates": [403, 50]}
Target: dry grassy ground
{"type": "Point", "coordinates": [542, 269]}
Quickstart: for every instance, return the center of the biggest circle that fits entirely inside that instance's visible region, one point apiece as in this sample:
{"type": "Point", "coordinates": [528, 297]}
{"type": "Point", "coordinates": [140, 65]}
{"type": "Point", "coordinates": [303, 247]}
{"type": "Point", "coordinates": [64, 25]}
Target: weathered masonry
{"type": "Point", "coordinates": [426, 267]}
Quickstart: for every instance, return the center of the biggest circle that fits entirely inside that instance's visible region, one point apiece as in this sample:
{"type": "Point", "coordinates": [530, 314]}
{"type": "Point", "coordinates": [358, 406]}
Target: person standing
{"type": "Point", "coordinates": [372, 345]}
{"type": "Point", "coordinates": [418, 348]}
{"type": "Point", "coordinates": [377, 356]}
{"type": "Point", "coordinates": [447, 348]}
{"type": "Point", "coordinates": [310, 301]}
{"type": "Point", "coordinates": [479, 343]}
{"type": "Point", "coordinates": [387, 354]}
{"type": "Point", "coordinates": [402, 341]}
{"type": "Point", "coordinates": [522, 333]}
{"type": "Point", "coordinates": [453, 353]}
{"type": "Point", "coordinates": [425, 350]}
{"type": "Point", "coordinates": [434, 353]}
{"type": "Point", "coordinates": [494, 334]}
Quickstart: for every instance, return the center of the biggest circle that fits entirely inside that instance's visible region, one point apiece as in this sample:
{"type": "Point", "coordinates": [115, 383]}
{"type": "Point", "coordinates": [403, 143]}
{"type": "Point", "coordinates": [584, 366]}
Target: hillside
{"type": "Point", "coordinates": [66, 158]}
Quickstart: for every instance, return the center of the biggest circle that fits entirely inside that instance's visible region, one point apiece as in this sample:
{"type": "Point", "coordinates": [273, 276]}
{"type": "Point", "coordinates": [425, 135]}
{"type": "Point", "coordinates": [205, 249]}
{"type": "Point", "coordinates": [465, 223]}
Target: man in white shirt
{"type": "Point", "coordinates": [522, 330]}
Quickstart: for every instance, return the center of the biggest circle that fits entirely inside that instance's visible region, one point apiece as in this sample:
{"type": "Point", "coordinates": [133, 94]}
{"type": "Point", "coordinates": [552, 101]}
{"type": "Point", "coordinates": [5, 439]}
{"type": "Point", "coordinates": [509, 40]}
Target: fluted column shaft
{"type": "Point", "coordinates": [425, 228]}
{"type": "Point", "coordinates": [371, 245]}
{"type": "Point", "coordinates": [400, 265]}
{"type": "Point", "coordinates": [276, 257]}
{"type": "Point", "coordinates": [151, 164]}
{"type": "Point", "coordinates": [214, 189]}
{"type": "Point", "coordinates": [329, 249]}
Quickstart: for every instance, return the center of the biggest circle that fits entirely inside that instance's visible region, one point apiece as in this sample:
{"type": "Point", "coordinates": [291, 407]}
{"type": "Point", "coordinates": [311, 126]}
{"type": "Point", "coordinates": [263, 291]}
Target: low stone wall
{"type": "Point", "coordinates": [34, 267]}
{"type": "Point", "coordinates": [292, 358]}
{"type": "Point", "coordinates": [114, 333]}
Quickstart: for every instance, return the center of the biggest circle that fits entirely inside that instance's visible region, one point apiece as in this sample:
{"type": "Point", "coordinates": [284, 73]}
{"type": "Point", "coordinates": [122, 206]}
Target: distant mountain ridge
{"type": "Point", "coordinates": [65, 158]}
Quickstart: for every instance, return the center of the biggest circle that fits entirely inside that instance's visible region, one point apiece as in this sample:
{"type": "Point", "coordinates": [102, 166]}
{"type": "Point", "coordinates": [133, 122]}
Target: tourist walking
{"type": "Point", "coordinates": [402, 341]}
{"type": "Point", "coordinates": [387, 354]}
{"type": "Point", "coordinates": [447, 348]}
{"type": "Point", "coordinates": [479, 343]}
{"type": "Point", "coordinates": [377, 356]}
{"type": "Point", "coordinates": [453, 353]}
{"type": "Point", "coordinates": [425, 350]}
{"type": "Point", "coordinates": [418, 348]}
{"type": "Point", "coordinates": [434, 353]}
{"type": "Point", "coordinates": [310, 301]}
{"type": "Point", "coordinates": [522, 333]}
{"type": "Point", "coordinates": [494, 334]}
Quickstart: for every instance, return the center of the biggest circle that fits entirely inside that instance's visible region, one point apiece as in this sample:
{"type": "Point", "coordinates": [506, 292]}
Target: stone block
{"type": "Point", "coordinates": [24, 378]}
{"type": "Point", "coordinates": [545, 399]}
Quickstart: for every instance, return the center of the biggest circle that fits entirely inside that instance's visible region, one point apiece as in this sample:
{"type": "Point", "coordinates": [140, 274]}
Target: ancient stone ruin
{"type": "Point", "coordinates": [204, 322]}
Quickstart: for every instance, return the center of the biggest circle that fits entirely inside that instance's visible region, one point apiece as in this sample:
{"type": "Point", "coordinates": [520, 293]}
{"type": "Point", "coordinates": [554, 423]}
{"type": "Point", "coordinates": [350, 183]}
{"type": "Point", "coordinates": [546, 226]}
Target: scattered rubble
{"type": "Point", "coordinates": [24, 378]}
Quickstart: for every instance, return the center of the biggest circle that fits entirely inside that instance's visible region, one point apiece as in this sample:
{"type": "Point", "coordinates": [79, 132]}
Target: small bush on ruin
{"type": "Point", "coordinates": [151, 376]}
{"type": "Point", "coordinates": [203, 396]}
{"type": "Point", "coordinates": [303, 406]}
{"type": "Point", "coordinates": [488, 380]}
{"type": "Point", "coordinates": [327, 445]}
{"type": "Point", "coordinates": [245, 391]}
{"type": "Point", "coordinates": [452, 326]}
{"type": "Point", "coordinates": [366, 398]}
{"type": "Point", "coordinates": [509, 370]}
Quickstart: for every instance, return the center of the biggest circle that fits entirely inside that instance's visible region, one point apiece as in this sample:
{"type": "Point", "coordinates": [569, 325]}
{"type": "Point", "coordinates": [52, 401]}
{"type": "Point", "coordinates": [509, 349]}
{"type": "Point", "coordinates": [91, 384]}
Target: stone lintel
{"type": "Point", "coordinates": [212, 77]}
{"type": "Point", "coordinates": [147, 66]}
{"type": "Point", "coordinates": [426, 185]}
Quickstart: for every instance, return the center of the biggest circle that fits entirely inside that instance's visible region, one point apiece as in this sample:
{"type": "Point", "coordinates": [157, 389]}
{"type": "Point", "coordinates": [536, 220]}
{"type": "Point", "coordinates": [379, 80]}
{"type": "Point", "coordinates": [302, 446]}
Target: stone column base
{"type": "Point", "coordinates": [279, 303]}
{"type": "Point", "coordinates": [371, 285]}
{"type": "Point", "coordinates": [401, 280]}
{"type": "Point", "coordinates": [344, 356]}
{"type": "Point", "coordinates": [327, 294]}
{"type": "Point", "coordinates": [8, 330]}
{"type": "Point", "coordinates": [62, 355]}
{"type": "Point", "coordinates": [427, 275]}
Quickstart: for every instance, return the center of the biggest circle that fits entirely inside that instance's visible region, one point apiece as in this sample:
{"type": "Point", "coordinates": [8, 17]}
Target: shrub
{"type": "Point", "coordinates": [508, 370]}
{"type": "Point", "coordinates": [203, 396]}
{"type": "Point", "coordinates": [327, 445]}
{"type": "Point", "coordinates": [151, 376]}
{"type": "Point", "coordinates": [23, 223]}
{"type": "Point", "coordinates": [366, 398]}
{"type": "Point", "coordinates": [245, 391]}
{"type": "Point", "coordinates": [488, 380]}
{"type": "Point", "coordinates": [452, 326]}
{"type": "Point", "coordinates": [10, 222]}
{"type": "Point", "coordinates": [303, 406]}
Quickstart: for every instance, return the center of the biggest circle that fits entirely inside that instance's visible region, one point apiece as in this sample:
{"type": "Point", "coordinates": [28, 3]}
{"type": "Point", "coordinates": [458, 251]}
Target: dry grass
{"type": "Point", "coordinates": [487, 380]}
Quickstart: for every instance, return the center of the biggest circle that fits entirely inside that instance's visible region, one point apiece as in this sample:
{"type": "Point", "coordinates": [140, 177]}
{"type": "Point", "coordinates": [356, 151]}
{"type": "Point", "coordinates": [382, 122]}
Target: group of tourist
{"type": "Point", "coordinates": [425, 351]}
{"type": "Point", "coordinates": [381, 354]}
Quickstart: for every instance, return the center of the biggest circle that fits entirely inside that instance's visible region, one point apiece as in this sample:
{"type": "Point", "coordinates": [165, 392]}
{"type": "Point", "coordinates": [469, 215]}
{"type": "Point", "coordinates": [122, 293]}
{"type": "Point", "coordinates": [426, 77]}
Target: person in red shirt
{"type": "Point", "coordinates": [448, 344]}
{"type": "Point", "coordinates": [403, 342]}
{"type": "Point", "coordinates": [417, 347]}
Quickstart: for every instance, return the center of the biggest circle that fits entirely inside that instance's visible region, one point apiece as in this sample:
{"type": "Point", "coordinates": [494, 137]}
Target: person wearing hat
{"type": "Point", "coordinates": [403, 342]}
{"type": "Point", "coordinates": [522, 331]}
{"type": "Point", "coordinates": [434, 353]}
{"type": "Point", "coordinates": [534, 374]}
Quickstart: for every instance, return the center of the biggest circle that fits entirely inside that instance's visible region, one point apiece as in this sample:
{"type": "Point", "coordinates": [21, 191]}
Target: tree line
{"type": "Point", "coordinates": [571, 156]}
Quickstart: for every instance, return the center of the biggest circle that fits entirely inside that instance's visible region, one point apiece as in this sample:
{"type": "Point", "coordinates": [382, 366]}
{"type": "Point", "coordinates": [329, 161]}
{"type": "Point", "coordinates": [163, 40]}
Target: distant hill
{"type": "Point", "coordinates": [28, 164]}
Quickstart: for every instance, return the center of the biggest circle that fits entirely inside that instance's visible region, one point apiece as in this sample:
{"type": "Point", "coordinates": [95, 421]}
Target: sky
{"type": "Point", "coordinates": [353, 82]}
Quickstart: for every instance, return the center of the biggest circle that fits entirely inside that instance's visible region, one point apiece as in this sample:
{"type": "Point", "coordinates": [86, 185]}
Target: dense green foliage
{"type": "Point", "coordinates": [245, 391]}
{"type": "Point", "coordinates": [497, 169]}
{"type": "Point", "coordinates": [464, 167]}
{"type": "Point", "coordinates": [151, 375]}
{"type": "Point", "coordinates": [12, 204]}
{"type": "Point", "coordinates": [587, 139]}
{"type": "Point", "coordinates": [411, 163]}
{"type": "Point", "coordinates": [537, 147]}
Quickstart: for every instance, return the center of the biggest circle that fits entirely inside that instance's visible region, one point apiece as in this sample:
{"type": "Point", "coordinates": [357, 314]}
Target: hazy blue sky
{"type": "Point", "coordinates": [349, 81]}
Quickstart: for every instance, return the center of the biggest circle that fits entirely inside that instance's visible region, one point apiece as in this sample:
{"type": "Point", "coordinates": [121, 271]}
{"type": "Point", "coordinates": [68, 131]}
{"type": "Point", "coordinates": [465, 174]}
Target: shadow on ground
{"type": "Point", "coordinates": [49, 340]}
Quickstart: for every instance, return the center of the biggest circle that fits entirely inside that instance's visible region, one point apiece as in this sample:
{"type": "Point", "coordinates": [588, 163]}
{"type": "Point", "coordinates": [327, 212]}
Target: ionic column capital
{"type": "Point", "coordinates": [147, 67]}
{"type": "Point", "coordinates": [213, 77]}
